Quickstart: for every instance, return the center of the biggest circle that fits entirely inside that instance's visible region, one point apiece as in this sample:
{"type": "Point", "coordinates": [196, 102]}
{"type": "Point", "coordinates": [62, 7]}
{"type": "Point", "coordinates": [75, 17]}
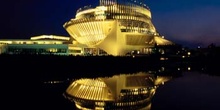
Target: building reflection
{"type": "Point", "coordinates": [122, 91]}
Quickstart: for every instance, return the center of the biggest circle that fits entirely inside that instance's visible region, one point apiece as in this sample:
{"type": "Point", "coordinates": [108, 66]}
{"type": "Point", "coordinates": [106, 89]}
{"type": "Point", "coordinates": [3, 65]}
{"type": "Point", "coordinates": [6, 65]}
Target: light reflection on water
{"type": "Point", "coordinates": [159, 77]}
{"type": "Point", "coordinates": [123, 91]}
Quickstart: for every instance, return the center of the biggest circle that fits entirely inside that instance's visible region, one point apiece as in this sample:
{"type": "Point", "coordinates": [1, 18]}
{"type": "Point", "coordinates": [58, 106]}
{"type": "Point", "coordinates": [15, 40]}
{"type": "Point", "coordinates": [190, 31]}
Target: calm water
{"type": "Point", "coordinates": [190, 90]}
{"type": "Point", "coordinates": [193, 90]}
{"type": "Point", "coordinates": [27, 83]}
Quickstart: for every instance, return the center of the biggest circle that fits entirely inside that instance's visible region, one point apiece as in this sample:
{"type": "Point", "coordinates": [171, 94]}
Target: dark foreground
{"type": "Point", "coordinates": [192, 91]}
{"type": "Point", "coordinates": [24, 78]}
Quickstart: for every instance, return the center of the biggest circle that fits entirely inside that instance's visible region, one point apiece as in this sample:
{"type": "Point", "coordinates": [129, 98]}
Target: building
{"type": "Point", "coordinates": [44, 44]}
{"type": "Point", "coordinates": [115, 26]}
{"type": "Point", "coordinates": [120, 92]}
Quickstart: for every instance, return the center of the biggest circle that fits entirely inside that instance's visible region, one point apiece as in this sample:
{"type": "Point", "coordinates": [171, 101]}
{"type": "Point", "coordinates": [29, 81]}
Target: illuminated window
{"type": "Point", "coordinates": [52, 50]}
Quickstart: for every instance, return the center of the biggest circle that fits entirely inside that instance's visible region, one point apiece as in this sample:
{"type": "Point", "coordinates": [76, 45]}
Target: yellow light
{"type": "Point", "coordinates": [103, 8]}
{"type": "Point", "coordinates": [49, 37]}
{"type": "Point", "coordinates": [189, 68]}
{"type": "Point", "coordinates": [188, 53]}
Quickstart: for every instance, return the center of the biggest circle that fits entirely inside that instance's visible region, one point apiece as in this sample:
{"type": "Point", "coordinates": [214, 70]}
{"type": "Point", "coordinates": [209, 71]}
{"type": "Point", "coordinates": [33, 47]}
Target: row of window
{"type": "Point", "coordinates": [33, 51]}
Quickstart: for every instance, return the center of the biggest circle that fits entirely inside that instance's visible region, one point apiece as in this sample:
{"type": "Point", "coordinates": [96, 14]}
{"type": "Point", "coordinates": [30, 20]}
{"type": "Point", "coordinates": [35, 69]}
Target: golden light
{"type": "Point", "coordinates": [188, 53]}
{"type": "Point", "coordinates": [183, 56]}
{"type": "Point", "coordinates": [50, 37]}
{"type": "Point", "coordinates": [114, 90]}
{"type": "Point", "coordinates": [114, 29]}
{"type": "Point", "coordinates": [189, 68]}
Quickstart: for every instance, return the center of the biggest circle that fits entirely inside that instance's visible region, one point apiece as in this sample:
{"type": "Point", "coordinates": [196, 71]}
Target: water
{"type": "Point", "coordinates": [29, 84]}
{"type": "Point", "coordinates": [119, 92]}
{"type": "Point", "coordinates": [194, 90]}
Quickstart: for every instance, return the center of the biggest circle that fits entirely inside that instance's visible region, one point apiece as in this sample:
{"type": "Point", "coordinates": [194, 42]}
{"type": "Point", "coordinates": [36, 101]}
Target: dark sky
{"type": "Point", "coordinates": [187, 22]}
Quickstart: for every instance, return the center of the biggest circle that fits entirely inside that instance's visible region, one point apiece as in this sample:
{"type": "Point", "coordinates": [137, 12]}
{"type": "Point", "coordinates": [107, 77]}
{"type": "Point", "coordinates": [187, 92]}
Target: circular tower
{"type": "Point", "coordinates": [115, 26]}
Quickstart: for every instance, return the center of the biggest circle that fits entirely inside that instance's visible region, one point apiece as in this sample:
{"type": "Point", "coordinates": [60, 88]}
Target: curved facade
{"type": "Point", "coordinates": [115, 26]}
{"type": "Point", "coordinates": [132, 91]}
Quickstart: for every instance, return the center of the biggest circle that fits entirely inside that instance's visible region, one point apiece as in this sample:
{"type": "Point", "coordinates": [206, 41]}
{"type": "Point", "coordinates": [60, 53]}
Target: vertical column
{"type": "Point", "coordinates": [110, 7]}
{"type": "Point", "coordinates": [130, 16]}
{"type": "Point", "coordinates": [100, 2]}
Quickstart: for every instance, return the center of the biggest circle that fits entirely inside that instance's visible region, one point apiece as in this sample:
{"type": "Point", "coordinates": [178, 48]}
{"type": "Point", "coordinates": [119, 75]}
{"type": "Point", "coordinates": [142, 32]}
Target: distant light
{"type": "Point", "coordinates": [189, 53]}
{"type": "Point", "coordinates": [163, 58]}
{"type": "Point", "coordinates": [183, 56]}
{"type": "Point", "coordinates": [189, 68]}
{"type": "Point", "coordinates": [162, 68]}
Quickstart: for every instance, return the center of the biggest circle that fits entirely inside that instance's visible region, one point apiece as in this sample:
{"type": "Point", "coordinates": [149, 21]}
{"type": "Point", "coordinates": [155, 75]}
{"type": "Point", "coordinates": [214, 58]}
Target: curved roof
{"type": "Point", "coordinates": [54, 37]}
{"type": "Point", "coordinates": [90, 89]}
{"type": "Point", "coordinates": [108, 89]}
{"type": "Point", "coordinates": [161, 41]}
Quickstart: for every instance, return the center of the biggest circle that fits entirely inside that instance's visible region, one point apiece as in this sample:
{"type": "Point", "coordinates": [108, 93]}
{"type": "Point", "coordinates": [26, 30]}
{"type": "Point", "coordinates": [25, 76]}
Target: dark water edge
{"type": "Point", "coordinates": [23, 77]}
{"type": "Point", "coordinates": [193, 91]}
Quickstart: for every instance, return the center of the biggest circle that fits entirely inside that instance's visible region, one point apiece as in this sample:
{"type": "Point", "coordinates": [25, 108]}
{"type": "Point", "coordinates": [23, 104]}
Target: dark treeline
{"type": "Point", "coordinates": [207, 60]}
{"type": "Point", "coordinates": [46, 67]}
{"type": "Point", "coordinates": [51, 66]}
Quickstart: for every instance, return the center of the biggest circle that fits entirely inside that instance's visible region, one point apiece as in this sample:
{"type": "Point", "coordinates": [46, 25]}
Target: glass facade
{"type": "Point", "coordinates": [115, 92]}
{"type": "Point", "coordinates": [115, 26]}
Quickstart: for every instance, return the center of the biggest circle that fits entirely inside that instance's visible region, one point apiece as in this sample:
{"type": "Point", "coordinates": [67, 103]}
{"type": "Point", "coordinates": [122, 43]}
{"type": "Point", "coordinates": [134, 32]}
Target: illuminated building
{"type": "Point", "coordinates": [124, 91]}
{"type": "Point", "coordinates": [115, 26]}
{"type": "Point", "coordinates": [44, 44]}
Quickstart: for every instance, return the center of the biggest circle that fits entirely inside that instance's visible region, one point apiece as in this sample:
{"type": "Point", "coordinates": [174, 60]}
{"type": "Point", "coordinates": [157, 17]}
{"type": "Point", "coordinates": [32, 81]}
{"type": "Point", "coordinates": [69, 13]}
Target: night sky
{"type": "Point", "coordinates": [187, 22]}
